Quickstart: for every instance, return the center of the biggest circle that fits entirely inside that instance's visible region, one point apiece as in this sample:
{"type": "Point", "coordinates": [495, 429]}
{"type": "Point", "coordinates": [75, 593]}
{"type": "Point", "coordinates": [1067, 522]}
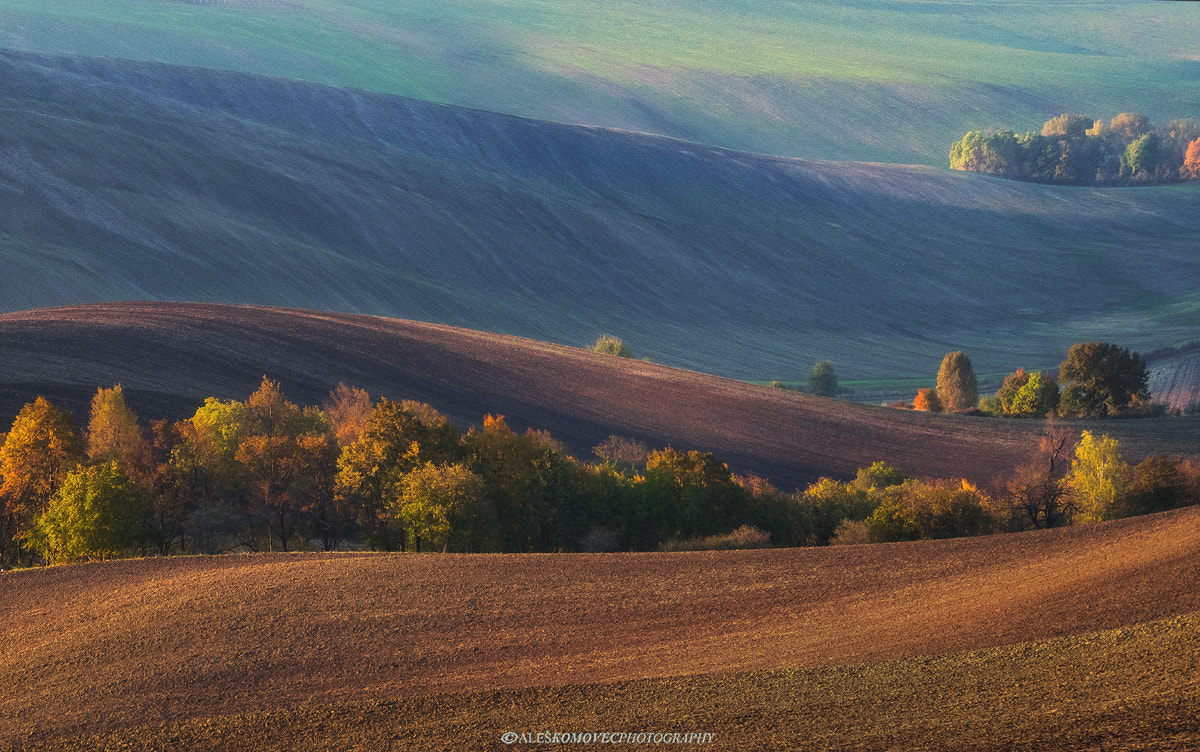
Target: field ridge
{"type": "Point", "coordinates": [169, 357]}
{"type": "Point", "coordinates": [299, 637]}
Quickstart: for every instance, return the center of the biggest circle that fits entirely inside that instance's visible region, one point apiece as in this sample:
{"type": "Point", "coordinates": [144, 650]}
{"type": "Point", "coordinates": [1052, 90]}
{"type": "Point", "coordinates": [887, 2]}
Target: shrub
{"type": "Point", "coordinates": [607, 345]}
{"type": "Point", "coordinates": [921, 510]}
{"type": "Point", "coordinates": [851, 533]}
{"type": "Point", "coordinates": [744, 537]}
{"type": "Point", "coordinates": [927, 401]}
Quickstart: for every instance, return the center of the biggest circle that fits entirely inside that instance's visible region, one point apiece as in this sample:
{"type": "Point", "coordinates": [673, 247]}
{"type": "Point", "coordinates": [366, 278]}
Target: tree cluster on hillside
{"type": "Point", "coordinates": [1078, 150]}
{"type": "Point", "coordinates": [267, 474]}
{"type": "Point", "coordinates": [1095, 379]}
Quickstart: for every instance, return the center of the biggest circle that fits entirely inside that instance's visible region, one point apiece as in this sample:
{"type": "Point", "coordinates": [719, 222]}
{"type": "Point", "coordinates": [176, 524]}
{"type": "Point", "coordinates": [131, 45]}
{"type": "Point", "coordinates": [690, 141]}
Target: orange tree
{"type": "Point", "coordinates": [41, 449]}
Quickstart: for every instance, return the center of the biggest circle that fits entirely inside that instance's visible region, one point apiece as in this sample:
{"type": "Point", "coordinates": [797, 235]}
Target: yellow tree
{"type": "Point", "coordinates": [1099, 477]}
{"type": "Point", "coordinates": [40, 450]}
{"type": "Point", "coordinates": [389, 446]}
{"type": "Point", "coordinates": [957, 387]}
{"type": "Point", "coordinates": [113, 432]}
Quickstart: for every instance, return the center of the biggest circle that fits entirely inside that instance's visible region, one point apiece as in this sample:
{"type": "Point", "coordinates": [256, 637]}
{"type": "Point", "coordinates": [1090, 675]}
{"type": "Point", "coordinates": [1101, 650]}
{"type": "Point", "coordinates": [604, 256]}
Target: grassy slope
{"type": "Point", "coordinates": [888, 81]}
{"type": "Point", "coordinates": [1058, 639]}
{"type": "Point", "coordinates": [169, 357]}
{"type": "Point", "coordinates": [122, 181]}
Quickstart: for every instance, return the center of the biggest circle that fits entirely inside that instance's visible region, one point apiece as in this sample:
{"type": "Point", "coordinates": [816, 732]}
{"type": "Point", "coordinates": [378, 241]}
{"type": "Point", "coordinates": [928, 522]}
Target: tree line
{"type": "Point", "coordinates": [1096, 379]}
{"type": "Point", "coordinates": [266, 474]}
{"type": "Point", "coordinates": [1078, 150]}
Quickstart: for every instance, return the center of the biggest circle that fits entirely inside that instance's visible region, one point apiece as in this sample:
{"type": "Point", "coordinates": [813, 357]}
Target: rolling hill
{"type": "Point", "coordinates": [888, 80]}
{"type": "Point", "coordinates": [123, 181]}
{"type": "Point", "coordinates": [169, 357]}
{"type": "Point", "coordinates": [1067, 639]}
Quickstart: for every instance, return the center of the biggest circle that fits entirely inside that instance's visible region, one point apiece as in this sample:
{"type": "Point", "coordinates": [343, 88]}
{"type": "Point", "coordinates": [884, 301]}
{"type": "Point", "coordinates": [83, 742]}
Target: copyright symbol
{"type": "Point", "coordinates": [508, 737]}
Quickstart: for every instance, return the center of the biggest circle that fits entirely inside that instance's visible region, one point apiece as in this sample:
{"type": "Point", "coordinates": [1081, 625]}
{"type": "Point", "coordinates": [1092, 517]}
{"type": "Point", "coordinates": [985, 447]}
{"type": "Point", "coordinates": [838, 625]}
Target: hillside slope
{"type": "Point", "coordinates": [115, 646]}
{"type": "Point", "coordinates": [169, 357]}
{"type": "Point", "coordinates": [889, 80]}
{"type": "Point", "coordinates": [127, 181]}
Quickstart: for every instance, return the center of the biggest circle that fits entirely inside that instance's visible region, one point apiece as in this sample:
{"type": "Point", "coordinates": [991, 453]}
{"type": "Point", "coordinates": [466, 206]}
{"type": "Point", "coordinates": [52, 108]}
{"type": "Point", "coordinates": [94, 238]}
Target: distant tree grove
{"type": "Point", "coordinates": [266, 474]}
{"type": "Point", "coordinates": [1097, 379]}
{"type": "Point", "coordinates": [1077, 150]}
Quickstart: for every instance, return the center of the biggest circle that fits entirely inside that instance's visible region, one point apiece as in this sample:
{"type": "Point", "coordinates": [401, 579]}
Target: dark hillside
{"type": "Point", "coordinates": [169, 357]}
{"type": "Point", "coordinates": [127, 181]}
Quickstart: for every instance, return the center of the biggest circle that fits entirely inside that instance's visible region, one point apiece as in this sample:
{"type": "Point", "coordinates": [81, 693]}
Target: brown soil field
{"type": "Point", "coordinates": [169, 357]}
{"type": "Point", "coordinates": [1080, 638]}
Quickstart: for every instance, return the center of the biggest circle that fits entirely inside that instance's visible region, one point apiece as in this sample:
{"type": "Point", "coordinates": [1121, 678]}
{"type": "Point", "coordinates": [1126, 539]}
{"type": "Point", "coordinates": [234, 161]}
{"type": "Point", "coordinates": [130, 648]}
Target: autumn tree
{"type": "Point", "coordinates": [1191, 162]}
{"type": "Point", "coordinates": [1070, 126]}
{"type": "Point", "coordinates": [1129, 126]}
{"type": "Point", "coordinates": [1098, 478]}
{"type": "Point", "coordinates": [349, 410]}
{"type": "Point", "coordinates": [822, 380]}
{"type": "Point", "coordinates": [113, 433]}
{"type": "Point", "coordinates": [288, 454]}
{"type": "Point", "coordinates": [388, 447]}
{"type": "Point", "coordinates": [628, 455]}
{"type": "Point", "coordinates": [957, 387]}
{"type": "Point", "coordinates": [1098, 378]}
{"type": "Point", "coordinates": [927, 401]}
{"type": "Point", "coordinates": [41, 449]}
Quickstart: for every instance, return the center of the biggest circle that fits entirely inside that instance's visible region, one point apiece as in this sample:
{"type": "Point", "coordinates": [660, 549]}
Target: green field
{"type": "Point", "coordinates": [881, 81]}
{"type": "Point", "coordinates": [126, 181]}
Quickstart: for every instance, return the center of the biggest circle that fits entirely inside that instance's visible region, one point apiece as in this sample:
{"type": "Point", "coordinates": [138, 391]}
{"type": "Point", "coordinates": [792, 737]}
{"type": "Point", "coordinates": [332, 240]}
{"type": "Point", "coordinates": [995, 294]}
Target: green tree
{"type": "Point", "coordinates": [39, 452]}
{"type": "Point", "coordinates": [1098, 478]}
{"type": "Point", "coordinates": [1037, 398]}
{"type": "Point", "coordinates": [879, 475]}
{"type": "Point", "coordinates": [1099, 378]}
{"type": "Point", "coordinates": [438, 500]}
{"type": "Point", "coordinates": [990, 153]}
{"type": "Point", "coordinates": [1008, 390]}
{"type": "Point", "coordinates": [828, 502]}
{"type": "Point", "coordinates": [530, 484]}
{"type": "Point", "coordinates": [822, 380]}
{"type": "Point", "coordinates": [1141, 158]}
{"type": "Point", "coordinates": [607, 345]}
{"type": "Point", "coordinates": [98, 513]}
{"type": "Point", "coordinates": [957, 387]}
{"type": "Point", "coordinates": [701, 496]}
{"type": "Point", "coordinates": [203, 461]}
{"type": "Point", "coordinates": [923, 510]}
